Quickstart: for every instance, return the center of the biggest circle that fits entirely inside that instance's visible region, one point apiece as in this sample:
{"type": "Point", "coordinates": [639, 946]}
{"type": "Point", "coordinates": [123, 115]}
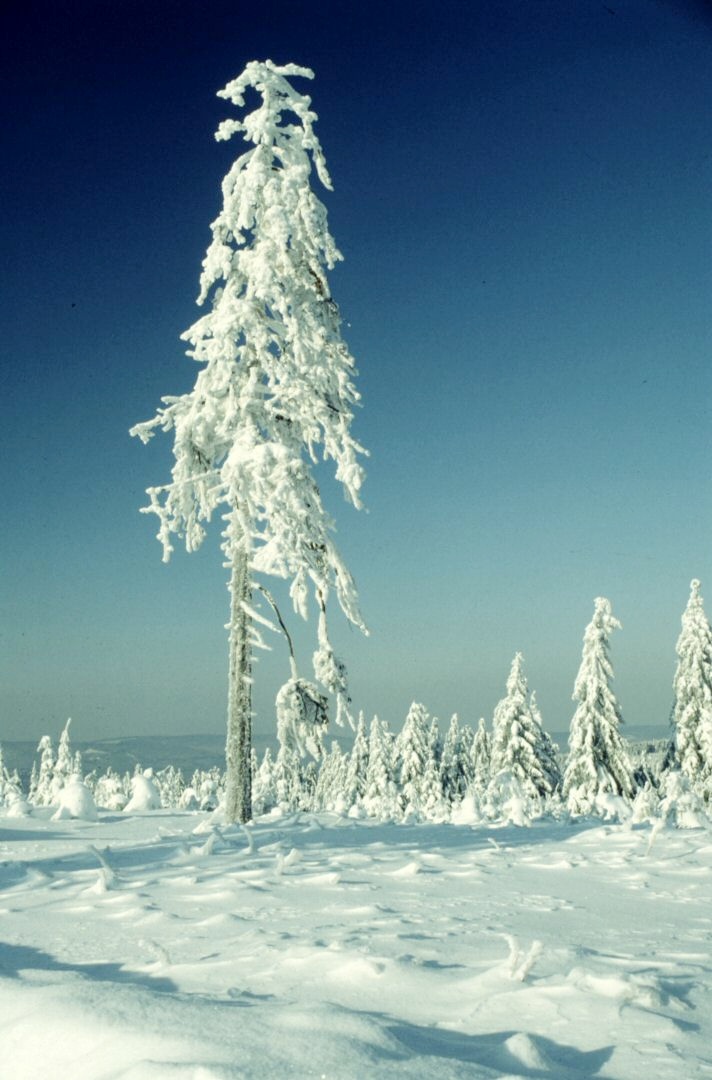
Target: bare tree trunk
{"type": "Point", "coordinates": [238, 795]}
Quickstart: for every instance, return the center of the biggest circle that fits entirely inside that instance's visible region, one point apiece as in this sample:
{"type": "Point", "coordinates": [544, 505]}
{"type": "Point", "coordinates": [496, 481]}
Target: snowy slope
{"type": "Point", "coordinates": [137, 949]}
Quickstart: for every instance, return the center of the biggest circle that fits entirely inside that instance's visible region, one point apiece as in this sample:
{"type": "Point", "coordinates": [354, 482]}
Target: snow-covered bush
{"type": "Point", "coordinates": [10, 786]}
{"type": "Point", "coordinates": [208, 786]}
{"type": "Point", "coordinates": [170, 784]}
{"type": "Point", "coordinates": [646, 805]}
{"type": "Point", "coordinates": [75, 800]}
{"type": "Point", "coordinates": [681, 805]}
{"type": "Point", "coordinates": [109, 790]}
{"type": "Point", "coordinates": [144, 793]}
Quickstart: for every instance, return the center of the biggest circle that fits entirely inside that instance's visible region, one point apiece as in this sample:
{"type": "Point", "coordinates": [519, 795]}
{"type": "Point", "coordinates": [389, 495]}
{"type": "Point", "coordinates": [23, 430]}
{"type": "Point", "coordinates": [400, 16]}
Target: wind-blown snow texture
{"type": "Point", "coordinates": [137, 948]}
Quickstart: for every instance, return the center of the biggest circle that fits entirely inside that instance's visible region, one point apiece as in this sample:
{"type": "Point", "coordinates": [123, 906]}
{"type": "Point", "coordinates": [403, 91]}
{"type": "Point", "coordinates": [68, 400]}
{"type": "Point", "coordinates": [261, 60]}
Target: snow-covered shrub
{"type": "Point", "coordinates": [75, 800]}
{"type": "Point", "coordinates": [515, 803]}
{"type": "Point", "coordinates": [208, 786]}
{"type": "Point", "coordinates": [109, 790]}
{"type": "Point", "coordinates": [646, 805]}
{"type": "Point", "coordinates": [188, 799]}
{"type": "Point", "coordinates": [144, 793]}
{"type": "Point", "coordinates": [170, 784]}
{"type": "Point", "coordinates": [611, 807]}
{"type": "Point", "coordinates": [10, 785]}
{"type": "Point", "coordinates": [16, 804]}
{"type": "Point", "coordinates": [505, 800]}
{"type": "Point", "coordinates": [468, 811]}
{"type": "Point", "coordinates": [264, 796]}
{"type": "Point", "coordinates": [681, 805]}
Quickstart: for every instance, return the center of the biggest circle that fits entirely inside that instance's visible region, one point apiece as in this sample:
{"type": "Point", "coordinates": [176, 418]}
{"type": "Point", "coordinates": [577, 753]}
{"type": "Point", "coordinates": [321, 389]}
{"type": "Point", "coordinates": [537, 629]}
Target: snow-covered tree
{"type": "Point", "coordinates": [598, 761]}
{"type": "Point", "coordinates": [275, 394]}
{"type": "Point", "coordinates": [646, 804]}
{"type": "Point", "coordinates": [545, 751]}
{"type": "Point", "coordinates": [63, 767]}
{"type": "Point", "coordinates": [453, 772]}
{"type": "Point", "coordinates": [263, 793]}
{"type": "Point", "coordinates": [381, 794]}
{"type": "Point", "coordinates": [144, 793]}
{"type": "Point", "coordinates": [692, 709]}
{"type": "Point", "coordinates": [3, 777]}
{"type": "Point", "coordinates": [355, 776]}
{"type": "Point", "coordinates": [480, 758]}
{"type": "Point", "coordinates": [75, 800]}
{"type": "Point", "coordinates": [287, 780]}
{"type": "Point", "coordinates": [171, 785]}
{"type": "Point", "coordinates": [109, 791]}
{"type": "Point", "coordinates": [10, 786]}
{"type": "Point", "coordinates": [41, 792]}
{"type": "Point", "coordinates": [681, 805]}
{"type": "Point", "coordinates": [413, 751]}
{"type": "Point", "coordinates": [208, 787]}
{"type": "Point", "coordinates": [330, 782]}
{"type": "Point", "coordinates": [519, 743]}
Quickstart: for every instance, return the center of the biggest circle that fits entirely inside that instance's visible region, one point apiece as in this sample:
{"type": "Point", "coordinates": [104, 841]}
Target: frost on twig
{"type": "Point", "coordinates": [520, 963]}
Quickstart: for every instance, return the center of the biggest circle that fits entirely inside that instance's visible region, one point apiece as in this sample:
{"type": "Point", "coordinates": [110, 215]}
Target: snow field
{"type": "Point", "coordinates": [137, 948]}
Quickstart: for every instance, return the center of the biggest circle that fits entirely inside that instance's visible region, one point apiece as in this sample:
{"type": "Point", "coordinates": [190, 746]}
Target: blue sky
{"type": "Point", "coordinates": [523, 195]}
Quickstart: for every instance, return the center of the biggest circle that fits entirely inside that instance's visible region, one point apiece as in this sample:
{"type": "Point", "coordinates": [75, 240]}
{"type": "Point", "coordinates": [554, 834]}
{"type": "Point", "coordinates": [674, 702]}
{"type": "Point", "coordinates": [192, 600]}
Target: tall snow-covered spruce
{"type": "Point", "coordinates": [692, 710]}
{"type": "Point", "coordinates": [274, 396]}
{"type": "Point", "coordinates": [598, 762]}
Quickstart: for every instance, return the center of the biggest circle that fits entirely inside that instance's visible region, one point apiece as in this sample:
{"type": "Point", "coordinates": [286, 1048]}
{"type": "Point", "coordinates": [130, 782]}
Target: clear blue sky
{"type": "Point", "coordinates": [523, 194]}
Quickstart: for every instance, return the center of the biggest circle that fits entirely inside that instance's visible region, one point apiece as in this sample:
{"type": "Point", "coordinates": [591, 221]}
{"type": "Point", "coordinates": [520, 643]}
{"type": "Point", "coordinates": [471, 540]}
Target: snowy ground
{"type": "Point", "coordinates": [136, 949]}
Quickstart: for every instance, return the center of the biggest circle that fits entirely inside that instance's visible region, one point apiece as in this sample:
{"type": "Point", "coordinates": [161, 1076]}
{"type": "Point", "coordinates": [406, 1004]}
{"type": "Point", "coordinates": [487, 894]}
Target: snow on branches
{"type": "Point", "coordinates": [598, 762]}
{"type": "Point", "coordinates": [692, 710]}
{"type": "Point", "coordinates": [275, 394]}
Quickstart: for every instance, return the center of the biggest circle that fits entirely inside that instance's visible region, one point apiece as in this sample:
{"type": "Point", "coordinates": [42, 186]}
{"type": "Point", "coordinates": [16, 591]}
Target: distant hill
{"type": "Point", "coordinates": [185, 752]}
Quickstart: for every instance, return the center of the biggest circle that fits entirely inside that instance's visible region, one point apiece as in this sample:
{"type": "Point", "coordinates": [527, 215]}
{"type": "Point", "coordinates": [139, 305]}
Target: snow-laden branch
{"type": "Point", "coordinates": [276, 391]}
